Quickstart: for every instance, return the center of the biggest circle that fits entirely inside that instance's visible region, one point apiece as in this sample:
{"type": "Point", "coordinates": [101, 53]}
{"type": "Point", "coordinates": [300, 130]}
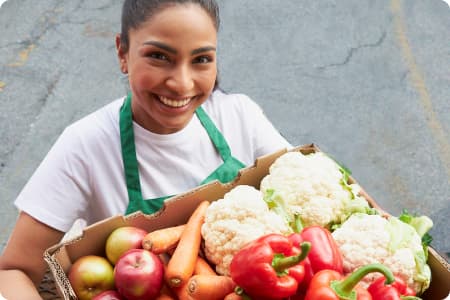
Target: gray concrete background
{"type": "Point", "coordinates": [368, 81]}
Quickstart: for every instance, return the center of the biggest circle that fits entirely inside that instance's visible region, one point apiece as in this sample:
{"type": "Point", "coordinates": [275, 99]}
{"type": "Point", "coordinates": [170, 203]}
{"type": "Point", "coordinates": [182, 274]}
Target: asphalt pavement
{"type": "Point", "coordinates": [368, 81]}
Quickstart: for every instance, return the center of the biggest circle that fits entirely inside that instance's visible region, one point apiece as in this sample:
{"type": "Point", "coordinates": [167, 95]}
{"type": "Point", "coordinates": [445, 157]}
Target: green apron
{"type": "Point", "coordinates": [226, 172]}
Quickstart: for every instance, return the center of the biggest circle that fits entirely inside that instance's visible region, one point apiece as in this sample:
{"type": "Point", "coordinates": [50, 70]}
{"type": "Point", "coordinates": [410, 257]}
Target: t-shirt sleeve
{"type": "Point", "coordinates": [58, 192]}
{"type": "Point", "coordinates": [266, 138]}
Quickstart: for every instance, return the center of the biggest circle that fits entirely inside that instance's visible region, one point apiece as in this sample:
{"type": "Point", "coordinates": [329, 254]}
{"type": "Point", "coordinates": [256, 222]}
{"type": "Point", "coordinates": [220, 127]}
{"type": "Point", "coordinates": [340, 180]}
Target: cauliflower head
{"type": "Point", "coordinates": [313, 187]}
{"type": "Point", "coordinates": [365, 239]}
{"type": "Point", "coordinates": [230, 223]}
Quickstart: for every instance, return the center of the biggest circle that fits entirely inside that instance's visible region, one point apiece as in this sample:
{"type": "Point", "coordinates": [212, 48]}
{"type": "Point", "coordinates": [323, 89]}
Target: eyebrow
{"type": "Point", "coordinates": [174, 51]}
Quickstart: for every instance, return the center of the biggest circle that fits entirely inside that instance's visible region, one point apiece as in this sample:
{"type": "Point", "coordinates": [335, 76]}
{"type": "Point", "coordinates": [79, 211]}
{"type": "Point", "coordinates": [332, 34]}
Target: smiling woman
{"type": "Point", "coordinates": [173, 131]}
{"type": "Point", "coordinates": [171, 65]}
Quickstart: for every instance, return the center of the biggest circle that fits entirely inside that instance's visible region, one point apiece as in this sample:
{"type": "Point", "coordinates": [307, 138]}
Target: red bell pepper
{"type": "Point", "coordinates": [323, 255]}
{"type": "Point", "coordinates": [331, 285]}
{"type": "Point", "coordinates": [397, 290]}
{"type": "Point", "coordinates": [269, 267]}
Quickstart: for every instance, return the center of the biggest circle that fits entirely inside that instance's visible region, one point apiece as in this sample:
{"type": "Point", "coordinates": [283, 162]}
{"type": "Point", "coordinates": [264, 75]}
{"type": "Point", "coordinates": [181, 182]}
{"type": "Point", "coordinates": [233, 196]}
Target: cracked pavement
{"type": "Point", "coordinates": [367, 81]}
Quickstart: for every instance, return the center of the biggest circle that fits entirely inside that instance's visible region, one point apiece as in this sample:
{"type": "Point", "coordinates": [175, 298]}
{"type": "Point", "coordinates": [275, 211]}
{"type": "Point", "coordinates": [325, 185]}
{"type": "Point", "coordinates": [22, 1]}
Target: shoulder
{"type": "Point", "coordinates": [221, 104]}
{"type": "Point", "coordinates": [100, 123]}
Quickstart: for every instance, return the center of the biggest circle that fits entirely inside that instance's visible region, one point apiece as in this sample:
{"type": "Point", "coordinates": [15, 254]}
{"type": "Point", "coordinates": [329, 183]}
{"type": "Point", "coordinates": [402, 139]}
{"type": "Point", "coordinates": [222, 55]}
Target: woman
{"type": "Point", "coordinates": [174, 131]}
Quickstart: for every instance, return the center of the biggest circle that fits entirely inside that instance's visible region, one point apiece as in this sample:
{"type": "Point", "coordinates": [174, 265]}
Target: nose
{"type": "Point", "coordinates": [180, 80]}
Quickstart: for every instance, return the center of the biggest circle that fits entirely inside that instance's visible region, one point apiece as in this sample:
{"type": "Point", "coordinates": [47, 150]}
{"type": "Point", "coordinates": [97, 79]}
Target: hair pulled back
{"type": "Point", "coordinates": [136, 12]}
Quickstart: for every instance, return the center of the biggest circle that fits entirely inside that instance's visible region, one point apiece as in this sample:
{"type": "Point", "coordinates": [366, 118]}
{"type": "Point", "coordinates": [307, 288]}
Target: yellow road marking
{"type": "Point", "coordinates": [418, 82]}
{"type": "Point", "coordinates": [23, 56]}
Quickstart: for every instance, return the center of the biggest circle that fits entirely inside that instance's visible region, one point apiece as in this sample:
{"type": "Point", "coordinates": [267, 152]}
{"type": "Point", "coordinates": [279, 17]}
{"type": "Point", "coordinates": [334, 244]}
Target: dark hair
{"type": "Point", "coordinates": [136, 12]}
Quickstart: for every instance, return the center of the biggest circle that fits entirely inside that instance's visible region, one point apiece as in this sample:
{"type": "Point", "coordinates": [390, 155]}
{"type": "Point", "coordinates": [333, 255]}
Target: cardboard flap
{"type": "Point", "coordinates": [56, 262]}
{"type": "Point", "coordinates": [178, 209]}
{"type": "Point", "coordinates": [440, 276]}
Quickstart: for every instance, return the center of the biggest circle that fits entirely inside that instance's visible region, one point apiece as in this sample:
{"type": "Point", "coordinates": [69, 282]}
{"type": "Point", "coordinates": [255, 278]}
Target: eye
{"type": "Point", "coordinates": [204, 59]}
{"type": "Point", "coordinates": [158, 56]}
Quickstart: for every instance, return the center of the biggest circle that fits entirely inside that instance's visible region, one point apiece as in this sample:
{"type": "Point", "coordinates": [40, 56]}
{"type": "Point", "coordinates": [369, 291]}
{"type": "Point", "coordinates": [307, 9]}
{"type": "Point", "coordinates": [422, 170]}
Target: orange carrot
{"type": "Point", "coordinates": [182, 292]}
{"type": "Point", "coordinates": [202, 267]}
{"type": "Point", "coordinates": [182, 263]}
{"type": "Point", "coordinates": [233, 296]}
{"type": "Point", "coordinates": [211, 287]}
{"type": "Point", "coordinates": [161, 240]}
{"type": "Point", "coordinates": [165, 294]}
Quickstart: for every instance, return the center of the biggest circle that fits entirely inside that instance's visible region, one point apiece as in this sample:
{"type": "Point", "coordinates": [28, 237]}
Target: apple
{"type": "Point", "coordinates": [123, 239]}
{"type": "Point", "coordinates": [90, 275]}
{"type": "Point", "coordinates": [138, 275]}
{"type": "Point", "coordinates": [109, 295]}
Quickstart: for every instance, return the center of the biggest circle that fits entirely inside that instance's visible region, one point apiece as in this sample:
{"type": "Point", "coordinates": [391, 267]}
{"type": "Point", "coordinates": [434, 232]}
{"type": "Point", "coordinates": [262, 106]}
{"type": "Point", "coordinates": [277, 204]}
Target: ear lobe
{"type": "Point", "coordinates": [123, 67]}
{"type": "Point", "coordinates": [121, 55]}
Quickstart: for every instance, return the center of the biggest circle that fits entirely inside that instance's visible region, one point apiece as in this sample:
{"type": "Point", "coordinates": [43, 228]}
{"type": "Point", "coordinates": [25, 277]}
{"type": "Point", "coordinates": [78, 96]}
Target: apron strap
{"type": "Point", "coordinates": [214, 134]}
{"type": "Point", "coordinates": [129, 158]}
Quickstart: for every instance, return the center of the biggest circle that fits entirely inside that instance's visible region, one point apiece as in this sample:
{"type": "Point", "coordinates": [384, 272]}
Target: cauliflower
{"type": "Point", "coordinates": [313, 187]}
{"type": "Point", "coordinates": [230, 223]}
{"type": "Point", "coordinates": [365, 239]}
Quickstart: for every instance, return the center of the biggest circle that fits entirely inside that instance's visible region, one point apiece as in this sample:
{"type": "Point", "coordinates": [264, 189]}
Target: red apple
{"type": "Point", "coordinates": [109, 295]}
{"type": "Point", "coordinates": [90, 275]}
{"type": "Point", "coordinates": [138, 275]}
{"type": "Point", "coordinates": [123, 239]}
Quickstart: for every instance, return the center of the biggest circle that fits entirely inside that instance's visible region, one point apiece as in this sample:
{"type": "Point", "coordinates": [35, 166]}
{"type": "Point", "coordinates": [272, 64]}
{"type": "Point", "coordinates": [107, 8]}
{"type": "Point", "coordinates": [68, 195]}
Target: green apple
{"type": "Point", "coordinates": [123, 239]}
{"type": "Point", "coordinates": [90, 275]}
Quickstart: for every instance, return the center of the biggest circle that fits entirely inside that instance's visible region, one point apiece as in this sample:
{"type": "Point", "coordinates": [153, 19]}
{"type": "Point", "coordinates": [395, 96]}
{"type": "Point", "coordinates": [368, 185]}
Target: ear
{"type": "Point", "coordinates": [122, 55]}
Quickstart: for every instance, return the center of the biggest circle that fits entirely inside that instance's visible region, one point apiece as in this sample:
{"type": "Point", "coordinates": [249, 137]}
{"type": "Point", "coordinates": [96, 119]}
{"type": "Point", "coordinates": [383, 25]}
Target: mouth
{"type": "Point", "coordinates": [175, 103]}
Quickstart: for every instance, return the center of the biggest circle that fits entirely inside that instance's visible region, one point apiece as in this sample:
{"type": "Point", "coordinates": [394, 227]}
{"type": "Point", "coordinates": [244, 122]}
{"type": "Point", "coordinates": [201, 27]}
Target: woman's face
{"type": "Point", "coordinates": [171, 66]}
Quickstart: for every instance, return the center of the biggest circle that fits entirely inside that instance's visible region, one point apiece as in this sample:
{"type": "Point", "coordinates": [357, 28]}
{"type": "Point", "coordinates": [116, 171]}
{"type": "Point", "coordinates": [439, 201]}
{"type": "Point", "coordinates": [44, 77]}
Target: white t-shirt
{"type": "Point", "coordinates": [82, 176]}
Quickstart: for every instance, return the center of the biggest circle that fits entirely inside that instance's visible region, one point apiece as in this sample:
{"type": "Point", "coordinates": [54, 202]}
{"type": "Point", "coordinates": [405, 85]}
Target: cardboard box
{"type": "Point", "coordinates": [177, 211]}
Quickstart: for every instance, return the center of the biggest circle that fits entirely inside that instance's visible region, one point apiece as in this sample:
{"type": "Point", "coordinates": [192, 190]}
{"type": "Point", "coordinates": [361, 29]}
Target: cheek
{"type": "Point", "coordinates": [144, 79]}
{"type": "Point", "coordinates": [207, 79]}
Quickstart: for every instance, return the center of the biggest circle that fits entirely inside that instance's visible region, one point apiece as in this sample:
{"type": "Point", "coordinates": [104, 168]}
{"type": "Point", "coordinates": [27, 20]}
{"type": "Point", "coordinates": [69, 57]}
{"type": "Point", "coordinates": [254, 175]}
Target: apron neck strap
{"type": "Point", "coordinates": [129, 159]}
{"type": "Point", "coordinates": [214, 134]}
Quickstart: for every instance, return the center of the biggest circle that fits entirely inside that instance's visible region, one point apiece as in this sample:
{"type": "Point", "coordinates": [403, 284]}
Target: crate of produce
{"type": "Point", "coordinates": [178, 210]}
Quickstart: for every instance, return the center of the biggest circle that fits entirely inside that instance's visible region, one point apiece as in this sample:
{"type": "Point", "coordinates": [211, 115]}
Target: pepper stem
{"type": "Point", "coordinates": [280, 262]}
{"type": "Point", "coordinates": [344, 288]}
{"type": "Point", "coordinates": [240, 291]}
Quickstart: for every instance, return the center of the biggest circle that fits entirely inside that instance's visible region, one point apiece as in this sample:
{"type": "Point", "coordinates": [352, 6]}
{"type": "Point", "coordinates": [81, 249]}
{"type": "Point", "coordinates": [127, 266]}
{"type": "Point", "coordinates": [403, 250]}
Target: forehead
{"type": "Point", "coordinates": [183, 12]}
{"type": "Point", "coordinates": [181, 21]}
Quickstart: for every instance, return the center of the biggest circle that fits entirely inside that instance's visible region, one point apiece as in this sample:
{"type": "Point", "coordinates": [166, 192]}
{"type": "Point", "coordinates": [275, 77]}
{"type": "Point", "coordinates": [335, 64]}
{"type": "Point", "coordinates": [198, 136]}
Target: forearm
{"type": "Point", "coordinates": [15, 284]}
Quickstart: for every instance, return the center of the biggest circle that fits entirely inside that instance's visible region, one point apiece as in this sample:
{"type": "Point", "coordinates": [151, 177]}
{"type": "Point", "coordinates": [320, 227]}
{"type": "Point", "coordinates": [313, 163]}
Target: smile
{"type": "Point", "coordinates": [175, 103]}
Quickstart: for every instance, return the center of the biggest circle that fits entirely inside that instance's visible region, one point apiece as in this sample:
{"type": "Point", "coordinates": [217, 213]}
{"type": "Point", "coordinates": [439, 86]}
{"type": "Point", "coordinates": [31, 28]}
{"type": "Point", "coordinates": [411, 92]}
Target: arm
{"type": "Point", "coordinates": [22, 266]}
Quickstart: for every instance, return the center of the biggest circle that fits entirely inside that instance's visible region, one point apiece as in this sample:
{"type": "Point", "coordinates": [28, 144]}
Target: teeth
{"type": "Point", "coordinates": [174, 103]}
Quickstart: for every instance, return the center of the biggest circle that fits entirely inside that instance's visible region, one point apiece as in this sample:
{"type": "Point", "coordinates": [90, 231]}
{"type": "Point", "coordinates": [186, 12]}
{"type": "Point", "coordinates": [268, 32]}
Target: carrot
{"type": "Point", "coordinates": [182, 292]}
{"type": "Point", "coordinates": [165, 296]}
{"type": "Point", "coordinates": [182, 263]}
{"type": "Point", "coordinates": [211, 287]}
{"type": "Point", "coordinates": [161, 240]}
{"type": "Point", "coordinates": [233, 296]}
{"type": "Point", "coordinates": [202, 267]}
